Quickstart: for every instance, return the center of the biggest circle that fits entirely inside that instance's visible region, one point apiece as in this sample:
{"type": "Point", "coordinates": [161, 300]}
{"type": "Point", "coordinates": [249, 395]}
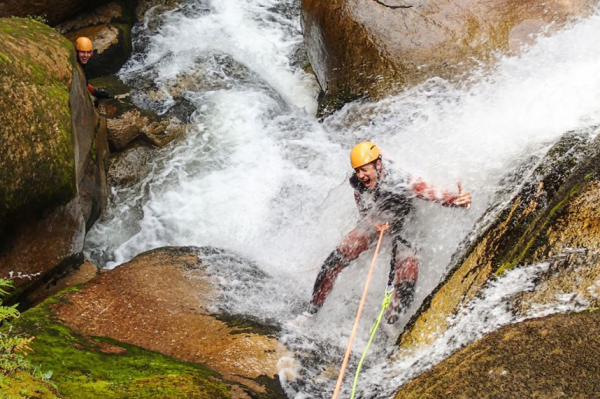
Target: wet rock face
{"type": "Point", "coordinates": [54, 11]}
{"type": "Point", "coordinates": [161, 301]}
{"type": "Point", "coordinates": [52, 181]}
{"type": "Point", "coordinates": [372, 48]}
{"type": "Point", "coordinates": [161, 5]}
{"type": "Point", "coordinates": [127, 123]}
{"type": "Point", "coordinates": [553, 357]}
{"type": "Point", "coordinates": [130, 165]}
{"type": "Point", "coordinates": [554, 218]}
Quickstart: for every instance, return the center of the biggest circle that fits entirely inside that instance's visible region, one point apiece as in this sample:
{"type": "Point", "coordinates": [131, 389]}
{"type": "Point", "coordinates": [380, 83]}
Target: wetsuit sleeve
{"type": "Point", "coordinates": [428, 192]}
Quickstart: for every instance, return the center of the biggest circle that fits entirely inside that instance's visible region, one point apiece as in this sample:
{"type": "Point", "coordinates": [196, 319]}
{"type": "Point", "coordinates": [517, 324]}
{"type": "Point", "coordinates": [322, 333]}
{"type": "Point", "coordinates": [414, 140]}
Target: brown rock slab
{"type": "Point", "coordinates": [80, 274]}
{"type": "Point", "coordinates": [160, 301]}
{"type": "Point", "coordinates": [371, 48]}
{"type": "Point", "coordinates": [552, 357]}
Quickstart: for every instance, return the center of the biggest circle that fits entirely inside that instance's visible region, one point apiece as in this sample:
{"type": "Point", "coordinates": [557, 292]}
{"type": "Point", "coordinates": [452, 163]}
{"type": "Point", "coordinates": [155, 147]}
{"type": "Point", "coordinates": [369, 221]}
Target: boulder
{"type": "Point", "coordinates": [552, 357]}
{"type": "Point", "coordinates": [52, 167]}
{"type": "Point", "coordinates": [149, 325]}
{"type": "Point", "coordinates": [130, 165]}
{"type": "Point", "coordinates": [79, 274]}
{"type": "Point", "coordinates": [126, 122]}
{"type": "Point", "coordinates": [553, 218]}
{"type": "Point", "coordinates": [361, 48]}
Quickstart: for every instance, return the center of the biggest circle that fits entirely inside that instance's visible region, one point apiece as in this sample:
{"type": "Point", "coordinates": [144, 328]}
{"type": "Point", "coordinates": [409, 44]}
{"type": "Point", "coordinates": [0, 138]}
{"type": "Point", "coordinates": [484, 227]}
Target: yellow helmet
{"type": "Point", "coordinates": [83, 44]}
{"type": "Point", "coordinates": [364, 153]}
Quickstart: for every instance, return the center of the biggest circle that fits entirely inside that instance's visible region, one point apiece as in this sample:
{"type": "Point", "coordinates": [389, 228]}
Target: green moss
{"type": "Point", "coordinates": [22, 385]}
{"type": "Point", "coordinates": [93, 150]}
{"type": "Point", "coordinates": [4, 59]}
{"type": "Point", "coordinates": [537, 227]}
{"type": "Point", "coordinates": [575, 190]}
{"type": "Point", "coordinates": [43, 175]}
{"type": "Point", "coordinates": [93, 367]}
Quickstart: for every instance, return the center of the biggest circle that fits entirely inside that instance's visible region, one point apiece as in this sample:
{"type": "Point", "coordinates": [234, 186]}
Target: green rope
{"type": "Point", "coordinates": [384, 305]}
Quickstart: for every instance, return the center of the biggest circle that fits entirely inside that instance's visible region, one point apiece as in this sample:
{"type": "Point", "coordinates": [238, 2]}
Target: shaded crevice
{"type": "Point", "coordinates": [382, 2]}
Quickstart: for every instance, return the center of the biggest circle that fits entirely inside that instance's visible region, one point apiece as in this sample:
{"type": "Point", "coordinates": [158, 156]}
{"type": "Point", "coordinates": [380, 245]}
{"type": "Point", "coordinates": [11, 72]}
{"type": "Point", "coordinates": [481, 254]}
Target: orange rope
{"type": "Point", "coordinates": [338, 386]}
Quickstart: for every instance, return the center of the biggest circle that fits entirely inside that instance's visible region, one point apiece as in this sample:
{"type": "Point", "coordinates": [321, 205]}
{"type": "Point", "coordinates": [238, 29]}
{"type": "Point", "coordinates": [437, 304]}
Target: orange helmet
{"type": "Point", "coordinates": [364, 153]}
{"type": "Point", "coordinates": [83, 44]}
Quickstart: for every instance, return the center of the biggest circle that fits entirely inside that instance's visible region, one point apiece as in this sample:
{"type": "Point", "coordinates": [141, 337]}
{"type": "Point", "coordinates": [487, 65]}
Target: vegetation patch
{"type": "Point", "coordinates": [99, 367]}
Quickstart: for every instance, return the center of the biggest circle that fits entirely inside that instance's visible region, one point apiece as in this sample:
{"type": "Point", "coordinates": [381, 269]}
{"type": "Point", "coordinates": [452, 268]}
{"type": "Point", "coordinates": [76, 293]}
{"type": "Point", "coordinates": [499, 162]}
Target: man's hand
{"type": "Point", "coordinates": [102, 94]}
{"type": "Point", "coordinates": [464, 197]}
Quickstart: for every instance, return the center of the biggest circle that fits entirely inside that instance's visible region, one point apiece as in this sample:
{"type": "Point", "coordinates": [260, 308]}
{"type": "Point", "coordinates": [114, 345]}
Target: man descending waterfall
{"type": "Point", "coordinates": [382, 195]}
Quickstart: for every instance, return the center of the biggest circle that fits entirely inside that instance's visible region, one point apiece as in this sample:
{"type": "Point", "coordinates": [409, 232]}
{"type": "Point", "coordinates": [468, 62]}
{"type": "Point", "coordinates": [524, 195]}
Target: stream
{"type": "Point", "coordinates": [259, 176]}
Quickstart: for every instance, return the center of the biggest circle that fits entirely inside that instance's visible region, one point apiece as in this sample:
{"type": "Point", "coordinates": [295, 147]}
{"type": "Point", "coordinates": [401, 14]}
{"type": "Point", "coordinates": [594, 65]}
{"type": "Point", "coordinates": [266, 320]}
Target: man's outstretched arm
{"type": "Point", "coordinates": [428, 192]}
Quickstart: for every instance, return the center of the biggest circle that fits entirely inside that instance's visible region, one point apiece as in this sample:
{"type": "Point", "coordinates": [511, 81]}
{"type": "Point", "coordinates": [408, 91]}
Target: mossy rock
{"type": "Point", "coordinates": [52, 179]}
{"type": "Point", "coordinates": [555, 210]}
{"type": "Point", "coordinates": [23, 385]}
{"type": "Point", "coordinates": [125, 335]}
{"type": "Point", "coordinates": [93, 367]}
{"type": "Point", "coordinates": [37, 170]}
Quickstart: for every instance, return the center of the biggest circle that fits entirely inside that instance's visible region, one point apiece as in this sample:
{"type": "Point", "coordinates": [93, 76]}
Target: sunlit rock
{"type": "Point", "coordinates": [162, 301]}
{"type": "Point", "coordinates": [371, 48]}
{"type": "Point", "coordinates": [553, 218]}
{"type": "Point", "coordinates": [552, 357]}
{"type": "Point", "coordinates": [52, 180]}
{"type": "Point", "coordinates": [80, 274]}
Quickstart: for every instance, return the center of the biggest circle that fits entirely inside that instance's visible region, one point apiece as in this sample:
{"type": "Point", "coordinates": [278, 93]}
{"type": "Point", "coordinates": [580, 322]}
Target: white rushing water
{"type": "Point", "coordinates": [259, 176]}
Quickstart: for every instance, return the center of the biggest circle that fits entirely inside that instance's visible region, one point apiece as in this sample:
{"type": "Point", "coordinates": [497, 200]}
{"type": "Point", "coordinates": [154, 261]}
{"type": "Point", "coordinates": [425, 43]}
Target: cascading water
{"type": "Point", "coordinates": [259, 176]}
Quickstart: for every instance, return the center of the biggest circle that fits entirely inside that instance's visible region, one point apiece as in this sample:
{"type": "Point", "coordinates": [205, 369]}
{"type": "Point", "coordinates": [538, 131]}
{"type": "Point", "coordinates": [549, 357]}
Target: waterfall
{"type": "Point", "coordinates": [258, 175]}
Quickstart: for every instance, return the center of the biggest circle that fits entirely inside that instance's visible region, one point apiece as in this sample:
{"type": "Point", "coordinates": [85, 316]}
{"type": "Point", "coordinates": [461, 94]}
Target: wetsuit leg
{"type": "Point", "coordinates": [404, 271]}
{"type": "Point", "coordinates": [354, 244]}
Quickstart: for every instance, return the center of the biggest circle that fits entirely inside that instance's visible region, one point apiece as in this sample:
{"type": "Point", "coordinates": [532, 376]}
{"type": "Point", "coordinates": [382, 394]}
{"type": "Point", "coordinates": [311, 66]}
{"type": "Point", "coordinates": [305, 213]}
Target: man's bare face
{"type": "Point", "coordinates": [367, 174]}
{"type": "Point", "coordinates": [84, 56]}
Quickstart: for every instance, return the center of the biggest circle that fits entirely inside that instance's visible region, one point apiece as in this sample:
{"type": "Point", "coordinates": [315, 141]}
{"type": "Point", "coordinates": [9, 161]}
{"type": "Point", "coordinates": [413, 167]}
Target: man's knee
{"type": "Point", "coordinates": [407, 271]}
{"type": "Point", "coordinates": [356, 242]}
